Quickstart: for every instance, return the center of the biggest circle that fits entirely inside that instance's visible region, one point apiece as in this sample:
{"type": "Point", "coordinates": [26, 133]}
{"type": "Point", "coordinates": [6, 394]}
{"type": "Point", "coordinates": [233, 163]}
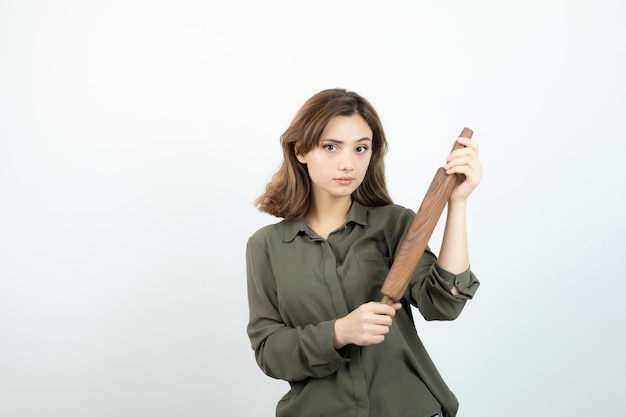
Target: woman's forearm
{"type": "Point", "coordinates": [454, 253]}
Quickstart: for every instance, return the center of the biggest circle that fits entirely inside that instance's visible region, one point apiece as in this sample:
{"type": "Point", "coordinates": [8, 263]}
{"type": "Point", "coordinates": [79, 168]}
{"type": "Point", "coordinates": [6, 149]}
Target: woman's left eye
{"type": "Point", "coordinates": [361, 149]}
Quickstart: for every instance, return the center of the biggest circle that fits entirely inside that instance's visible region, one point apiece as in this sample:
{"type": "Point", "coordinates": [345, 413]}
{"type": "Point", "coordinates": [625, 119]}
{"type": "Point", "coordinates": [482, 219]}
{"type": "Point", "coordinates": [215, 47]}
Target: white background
{"type": "Point", "coordinates": [134, 136]}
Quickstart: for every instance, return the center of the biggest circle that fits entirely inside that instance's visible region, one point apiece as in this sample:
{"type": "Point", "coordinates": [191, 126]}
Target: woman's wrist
{"type": "Point", "coordinates": [337, 342]}
{"type": "Point", "coordinates": [457, 204]}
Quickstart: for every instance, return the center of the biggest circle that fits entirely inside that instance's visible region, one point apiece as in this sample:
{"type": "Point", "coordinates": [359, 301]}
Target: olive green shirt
{"type": "Point", "coordinates": [300, 283]}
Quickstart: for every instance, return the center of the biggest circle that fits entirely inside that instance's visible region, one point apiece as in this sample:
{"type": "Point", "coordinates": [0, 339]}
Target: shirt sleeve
{"type": "Point", "coordinates": [281, 351]}
{"type": "Point", "coordinates": [430, 289]}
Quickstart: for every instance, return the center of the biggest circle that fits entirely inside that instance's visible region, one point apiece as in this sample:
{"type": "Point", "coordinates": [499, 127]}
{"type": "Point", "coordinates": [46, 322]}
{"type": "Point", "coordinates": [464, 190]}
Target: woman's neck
{"type": "Point", "coordinates": [327, 215]}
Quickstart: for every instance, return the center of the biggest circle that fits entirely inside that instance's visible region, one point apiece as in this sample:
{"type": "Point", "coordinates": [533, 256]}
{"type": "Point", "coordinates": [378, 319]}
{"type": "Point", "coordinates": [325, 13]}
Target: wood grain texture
{"type": "Point", "coordinates": [421, 229]}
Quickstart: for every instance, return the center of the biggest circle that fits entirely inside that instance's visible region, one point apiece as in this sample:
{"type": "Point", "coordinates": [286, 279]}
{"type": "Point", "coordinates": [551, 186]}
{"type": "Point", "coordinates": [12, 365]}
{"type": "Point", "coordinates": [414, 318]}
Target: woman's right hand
{"type": "Point", "coordinates": [367, 325]}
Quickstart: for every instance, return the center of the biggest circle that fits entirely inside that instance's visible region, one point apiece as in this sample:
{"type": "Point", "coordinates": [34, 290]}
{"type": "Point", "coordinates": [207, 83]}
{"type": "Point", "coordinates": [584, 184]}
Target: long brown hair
{"type": "Point", "coordinates": [288, 193]}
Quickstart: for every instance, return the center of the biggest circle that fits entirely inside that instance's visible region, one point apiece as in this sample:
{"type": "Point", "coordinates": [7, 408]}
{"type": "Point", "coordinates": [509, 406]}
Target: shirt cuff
{"type": "Point", "coordinates": [327, 348]}
{"type": "Point", "coordinates": [465, 282]}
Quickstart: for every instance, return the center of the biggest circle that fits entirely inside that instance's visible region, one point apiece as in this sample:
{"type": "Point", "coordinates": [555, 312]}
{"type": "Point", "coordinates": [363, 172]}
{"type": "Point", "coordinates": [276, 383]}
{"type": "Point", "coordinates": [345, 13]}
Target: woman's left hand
{"type": "Point", "coordinates": [464, 161]}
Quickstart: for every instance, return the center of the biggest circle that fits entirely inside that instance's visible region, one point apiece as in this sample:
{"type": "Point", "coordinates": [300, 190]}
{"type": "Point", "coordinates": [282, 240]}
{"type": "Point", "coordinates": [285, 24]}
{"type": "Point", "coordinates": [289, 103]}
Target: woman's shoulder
{"type": "Point", "coordinates": [391, 216]}
{"type": "Point", "coordinates": [269, 231]}
{"type": "Point", "coordinates": [393, 210]}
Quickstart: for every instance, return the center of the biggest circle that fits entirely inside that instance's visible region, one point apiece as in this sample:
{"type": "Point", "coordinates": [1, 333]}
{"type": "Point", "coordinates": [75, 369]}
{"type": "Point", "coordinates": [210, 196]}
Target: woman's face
{"type": "Point", "coordinates": [337, 165]}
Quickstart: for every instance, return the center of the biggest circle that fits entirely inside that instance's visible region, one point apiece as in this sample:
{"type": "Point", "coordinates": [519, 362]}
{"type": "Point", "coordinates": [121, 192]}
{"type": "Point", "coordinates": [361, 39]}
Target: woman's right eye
{"type": "Point", "coordinates": [329, 147]}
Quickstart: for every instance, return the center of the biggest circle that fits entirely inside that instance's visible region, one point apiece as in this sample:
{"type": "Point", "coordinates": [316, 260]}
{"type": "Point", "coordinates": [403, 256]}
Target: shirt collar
{"type": "Point", "coordinates": [357, 214]}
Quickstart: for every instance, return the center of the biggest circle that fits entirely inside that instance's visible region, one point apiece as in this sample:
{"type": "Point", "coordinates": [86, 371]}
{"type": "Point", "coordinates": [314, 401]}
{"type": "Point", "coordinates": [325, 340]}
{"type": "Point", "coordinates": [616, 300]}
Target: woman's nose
{"type": "Point", "coordinates": [347, 162]}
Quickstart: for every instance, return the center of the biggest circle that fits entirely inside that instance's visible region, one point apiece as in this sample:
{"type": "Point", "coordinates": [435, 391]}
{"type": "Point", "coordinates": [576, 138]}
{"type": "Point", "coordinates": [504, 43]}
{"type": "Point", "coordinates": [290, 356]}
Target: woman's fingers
{"type": "Point", "coordinates": [464, 161]}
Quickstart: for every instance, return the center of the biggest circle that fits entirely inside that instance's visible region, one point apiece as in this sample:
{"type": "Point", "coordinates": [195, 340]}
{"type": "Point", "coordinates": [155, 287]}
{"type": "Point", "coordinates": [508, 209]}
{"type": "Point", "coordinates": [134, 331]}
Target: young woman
{"type": "Point", "coordinates": [314, 278]}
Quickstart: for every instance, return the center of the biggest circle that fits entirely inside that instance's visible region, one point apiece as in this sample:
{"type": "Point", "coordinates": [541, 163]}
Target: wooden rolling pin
{"type": "Point", "coordinates": [416, 239]}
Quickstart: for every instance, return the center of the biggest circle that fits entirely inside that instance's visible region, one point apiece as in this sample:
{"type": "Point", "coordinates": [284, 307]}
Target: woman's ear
{"type": "Point", "coordinates": [301, 156]}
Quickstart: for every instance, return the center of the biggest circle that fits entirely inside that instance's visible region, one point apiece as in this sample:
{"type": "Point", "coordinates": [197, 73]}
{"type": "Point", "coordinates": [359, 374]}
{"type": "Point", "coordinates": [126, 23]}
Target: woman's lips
{"type": "Point", "coordinates": [344, 180]}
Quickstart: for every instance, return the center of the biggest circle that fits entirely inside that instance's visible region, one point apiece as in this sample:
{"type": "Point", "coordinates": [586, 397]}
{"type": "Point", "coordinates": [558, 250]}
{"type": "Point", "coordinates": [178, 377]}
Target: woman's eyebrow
{"type": "Point", "coordinates": [336, 141]}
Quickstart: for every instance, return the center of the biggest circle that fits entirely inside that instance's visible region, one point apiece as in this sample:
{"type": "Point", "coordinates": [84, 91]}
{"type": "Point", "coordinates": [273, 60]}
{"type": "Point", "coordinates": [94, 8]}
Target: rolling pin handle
{"type": "Point", "coordinates": [387, 300]}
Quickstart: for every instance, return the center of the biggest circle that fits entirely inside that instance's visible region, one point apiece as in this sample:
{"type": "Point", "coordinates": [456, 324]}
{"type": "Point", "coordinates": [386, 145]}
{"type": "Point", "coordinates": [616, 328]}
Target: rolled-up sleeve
{"type": "Point", "coordinates": [465, 282]}
{"type": "Point", "coordinates": [430, 289]}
